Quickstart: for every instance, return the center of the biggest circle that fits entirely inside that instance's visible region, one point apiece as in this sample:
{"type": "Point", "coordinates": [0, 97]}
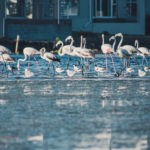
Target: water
{"type": "Point", "coordinates": [91, 112]}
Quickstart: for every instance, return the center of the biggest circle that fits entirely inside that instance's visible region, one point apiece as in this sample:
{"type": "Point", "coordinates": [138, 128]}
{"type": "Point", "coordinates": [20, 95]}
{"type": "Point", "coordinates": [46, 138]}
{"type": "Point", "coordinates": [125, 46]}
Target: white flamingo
{"type": "Point", "coordinates": [142, 51]}
{"type": "Point", "coordinates": [107, 49]}
{"type": "Point", "coordinates": [28, 51]}
{"type": "Point", "coordinates": [48, 57]}
{"type": "Point", "coordinates": [4, 49]}
{"type": "Point", "coordinates": [83, 52]}
{"type": "Point", "coordinates": [122, 53]}
{"type": "Point", "coordinates": [66, 49]}
{"type": "Point", "coordinates": [131, 50]}
{"type": "Point", "coordinates": [6, 58]}
{"type": "Point", "coordinates": [70, 38]}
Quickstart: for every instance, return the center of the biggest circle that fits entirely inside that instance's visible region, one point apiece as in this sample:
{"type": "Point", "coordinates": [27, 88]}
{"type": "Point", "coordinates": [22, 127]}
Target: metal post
{"type": "Point", "coordinates": [58, 15]}
{"type": "Point", "coordinates": [90, 8]}
{"type": "Point", "coordinates": [4, 18]}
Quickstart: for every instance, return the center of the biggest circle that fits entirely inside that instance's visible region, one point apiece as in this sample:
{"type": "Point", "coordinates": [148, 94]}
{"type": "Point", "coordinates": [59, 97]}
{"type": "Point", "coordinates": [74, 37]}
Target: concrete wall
{"type": "Point", "coordinates": [39, 32]}
{"type": "Point", "coordinates": [137, 27]}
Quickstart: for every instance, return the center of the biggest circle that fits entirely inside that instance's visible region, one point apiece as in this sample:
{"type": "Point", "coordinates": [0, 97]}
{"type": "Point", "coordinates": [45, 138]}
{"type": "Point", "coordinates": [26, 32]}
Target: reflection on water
{"type": "Point", "coordinates": [75, 114]}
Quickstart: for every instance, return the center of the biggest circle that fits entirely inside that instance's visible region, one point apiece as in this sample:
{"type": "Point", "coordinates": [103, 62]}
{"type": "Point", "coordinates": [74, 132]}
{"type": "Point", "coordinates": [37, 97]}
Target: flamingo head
{"type": "Point", "coordinates": [136, 43]}
{"type": "Point", "coordinates": [42, 50]}
{"type": "Point", "coordinates": [112, 38]}
{"type": "Point", "coordinates": [118, 34]}
{"type": "Point", "coordinates": [58, 43]}
{"type": "Point", "coordinates": [68, 38]}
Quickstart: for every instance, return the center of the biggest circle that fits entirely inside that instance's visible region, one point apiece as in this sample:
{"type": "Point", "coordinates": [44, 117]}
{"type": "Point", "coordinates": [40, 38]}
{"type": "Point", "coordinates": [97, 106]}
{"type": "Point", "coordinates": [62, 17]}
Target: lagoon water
{"type": "Point", "coordinates": [90, 112]}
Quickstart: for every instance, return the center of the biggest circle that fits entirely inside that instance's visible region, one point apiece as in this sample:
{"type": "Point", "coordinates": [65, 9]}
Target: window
{"type": "Point", "coordinates": [131, 8]}
{"type": "Point", "coordinates": [19, 8]}
{"type": "Point", "coordinates": [105, 8]}
{"type": "Point", "coordinates": [69, 7]}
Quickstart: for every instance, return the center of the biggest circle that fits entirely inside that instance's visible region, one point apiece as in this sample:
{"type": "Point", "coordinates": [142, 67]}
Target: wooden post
{"type": "Point", "coordinates": [17, 41]}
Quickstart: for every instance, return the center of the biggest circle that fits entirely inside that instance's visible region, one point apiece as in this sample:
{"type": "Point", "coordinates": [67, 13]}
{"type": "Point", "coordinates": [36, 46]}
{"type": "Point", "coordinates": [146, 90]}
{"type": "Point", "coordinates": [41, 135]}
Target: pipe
{"type": "Point", "coordinates": [58, 15]}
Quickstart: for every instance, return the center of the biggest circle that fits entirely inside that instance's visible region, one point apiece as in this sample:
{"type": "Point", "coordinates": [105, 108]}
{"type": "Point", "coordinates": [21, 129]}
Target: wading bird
{"type": "Point", "coordinates": [48, 57]}
{"type": "Point", "coordinates": [29, 51]}
{"type": "Point", "coordinates": [107, 49]}
{"type": "Point", "coordinates": [142, 51]}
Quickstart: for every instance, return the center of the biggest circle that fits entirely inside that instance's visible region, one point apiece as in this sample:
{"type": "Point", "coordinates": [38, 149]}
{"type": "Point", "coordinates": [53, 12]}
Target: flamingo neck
{"type": "Point", "coordinates": [136, 43]}
{"type": "Point", "coordinates": [60, 51]}
{"type": "Point", "coordinates": [18, 64]}
{"type": "Point", "coordinates": [114, 43]}
{"type": "Point", "coordinates": [103, 39]}
{"type": "Point", "coordinates": [84, 43]}
{"type": "Point", "coordinates": [81, 42]}
{"type": "Point", "coordinates": [72, 41]}
{"type": "Point", "coordinates": [120, 43]}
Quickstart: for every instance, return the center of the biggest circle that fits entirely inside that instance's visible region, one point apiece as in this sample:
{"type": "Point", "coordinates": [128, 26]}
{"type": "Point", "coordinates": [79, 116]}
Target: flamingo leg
{"type": "Point", "coordinates": [146, 61]}
{"type": "Point", "coordinates": [68, 63]}
{"type": "Point", "coordinates": [106, 61]}
{"type": "Point", "coordinates": [113, 63]}
{"type": "Point", "coordinates": [82, 65]}
{"type": "Point", "coordinates": [53, 68]}
{"type": "Point", "coordinates": [48, 66]}
{"type": "Point", "coordinates": [37, 62]}
{"type": "Point", "coordinates": [126, 66]}
{"type": "Point", "coordinates": [29, 62]}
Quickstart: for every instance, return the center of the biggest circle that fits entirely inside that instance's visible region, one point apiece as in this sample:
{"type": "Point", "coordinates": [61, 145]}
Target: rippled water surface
{"type": "Point", "coordinates": [90, 112]}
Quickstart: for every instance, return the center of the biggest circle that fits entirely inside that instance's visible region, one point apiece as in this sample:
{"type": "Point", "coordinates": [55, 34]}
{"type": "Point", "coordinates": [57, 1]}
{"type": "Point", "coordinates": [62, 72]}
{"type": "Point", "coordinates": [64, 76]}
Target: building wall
{"type": "Point", "coordinates": [147, 16]}
{"type": "Point", "coordinates": [82, 22]}
{"type": "Point", "coordinates": [147, 7]}
{"type": "Point", "coordinates": [37, 31]}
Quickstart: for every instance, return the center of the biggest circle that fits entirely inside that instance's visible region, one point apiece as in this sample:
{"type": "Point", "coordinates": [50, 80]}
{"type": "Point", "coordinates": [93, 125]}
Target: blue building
{"type": "Point", "coordinates": [48, 19]}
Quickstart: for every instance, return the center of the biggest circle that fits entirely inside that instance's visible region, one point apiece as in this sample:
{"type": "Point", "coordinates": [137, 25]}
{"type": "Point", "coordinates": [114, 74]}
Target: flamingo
{"type": "Point", "coordinates": [67, 49]}
{"type": "Point", "coordinates": [107, 49]}
{"type": "Point", "coordinates": [29, 51]}
{"type": "Point", "coordinates": [48, 57]}
{"type": "Point", "coordinates": [131, 49]}
{"type": "Point", "coordinates": [122, 53]}
{"type": "Point", "coordinates": [4, 49]}
{"type": "Point", "coordinates": [70, 38]}
{"type": "Point", "coordinates": [6, 58]}
{"type": "Point", "coordinates": [142, 51]}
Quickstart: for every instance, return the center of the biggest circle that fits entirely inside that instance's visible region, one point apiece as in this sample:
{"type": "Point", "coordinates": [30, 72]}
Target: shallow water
{"type": "Point", "coordinates": [90, 112]}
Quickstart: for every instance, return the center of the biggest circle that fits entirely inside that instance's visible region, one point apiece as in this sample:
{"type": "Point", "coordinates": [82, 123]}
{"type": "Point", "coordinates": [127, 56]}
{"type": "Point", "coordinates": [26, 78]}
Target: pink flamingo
{"type": "Point", "coordinates": [29, 51]}
{"type": "Point", "coordinates": [107, 49]}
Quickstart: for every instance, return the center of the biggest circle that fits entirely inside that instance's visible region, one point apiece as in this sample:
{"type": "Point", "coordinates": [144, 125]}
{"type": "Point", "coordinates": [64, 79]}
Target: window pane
{"type": "Point", "coordinates": [29, 8]}
{"type": "Point", "coordinates": [114, 10]}
{"type": "Point", "coordinates": [103, 8]}
{"type": "Point", "coordinates": [133, 10]}
{"type": "Point", "coordinates": [14, 8]}
{"type": "Point", "coordinates": [106, 7]}
{"type": "Point", "coordinates": [69, 7]}
{"type": "Point", "coordinates": [19, 8]}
